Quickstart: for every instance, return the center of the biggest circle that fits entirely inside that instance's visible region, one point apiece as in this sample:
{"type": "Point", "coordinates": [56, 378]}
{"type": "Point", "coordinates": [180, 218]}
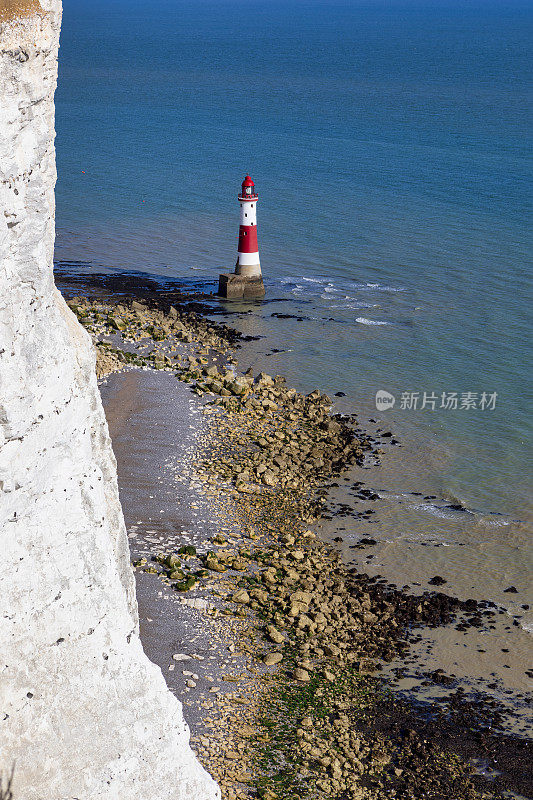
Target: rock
{"type": "Point", "coordinates": [181, 657]}
{"type": "Point", "coordinates": [260, 595]}
{"type": "Point", "coordinates": [264, 380]}
{"type": "Point", "coordinates": [238, 388]}
{"type": "Point", "coordinates": [274, 635]}
{"type": "Point", "coordinates": [199, 603]}
{"type": "Point", "coordinates": [268, 478]}
{"type": "Point", "coordinates": [305, 622]}
{"type": "Point", "coordinates": [511, 590]}
{"type": "Point", "coordinates": [116, 323]}
{"type": "Point", "coordinates": [301, 597]}
{"type": "Point", "coordinates": [272, 658]}
{"type": "Point", "coordinates": [241, 596]}
{"type": "Point", "coordinates": [296, 609]}
{"type": "Point", "coordinates": [184, 586]}
{"type": "Point", "coordinates": [215, 386]}
{"type": "Point", "coordinates": [437, 581]}
{"type": "Point", "coordinates": [187, 550]}
{"type": "Point", "coordinates": [302, 675]}
{"type": "Point", "coordinates": [239, 564]}
{"type": "Point", "coordinates": [214, 565]}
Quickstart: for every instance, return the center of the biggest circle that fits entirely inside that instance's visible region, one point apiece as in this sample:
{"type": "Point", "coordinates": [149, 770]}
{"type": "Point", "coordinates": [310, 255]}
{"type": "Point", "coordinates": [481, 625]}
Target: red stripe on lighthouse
{"type": "Point", "coordinates": [248, 239]}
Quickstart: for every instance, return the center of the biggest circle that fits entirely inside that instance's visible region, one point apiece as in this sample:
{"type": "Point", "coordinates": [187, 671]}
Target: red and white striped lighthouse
{"type": "Point", "coordinates": [246, 283]}
{"type": "Point", "coordinates": [248, 264]}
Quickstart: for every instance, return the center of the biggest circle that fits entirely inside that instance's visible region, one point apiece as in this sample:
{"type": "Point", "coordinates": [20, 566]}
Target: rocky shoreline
{"type": "Point", "coordinates": [315, 631]}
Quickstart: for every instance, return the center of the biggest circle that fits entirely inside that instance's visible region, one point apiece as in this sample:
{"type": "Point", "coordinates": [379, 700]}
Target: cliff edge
{"type": "Point", "coordinates": [83, 713]}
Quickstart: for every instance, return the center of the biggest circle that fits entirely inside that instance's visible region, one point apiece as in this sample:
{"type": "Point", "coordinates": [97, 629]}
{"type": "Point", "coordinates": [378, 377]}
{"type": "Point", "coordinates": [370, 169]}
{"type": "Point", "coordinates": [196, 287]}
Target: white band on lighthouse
{"type": "Point", "coordinates": [248, 214]}
{"type": "Point", "coordinates": [248, 260]}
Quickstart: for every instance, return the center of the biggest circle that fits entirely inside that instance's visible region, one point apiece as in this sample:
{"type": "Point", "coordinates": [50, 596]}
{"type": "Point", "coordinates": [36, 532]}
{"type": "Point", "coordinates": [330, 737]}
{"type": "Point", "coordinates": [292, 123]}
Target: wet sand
{"type": "Point", "coordinates": [494, 658]}
{"type": "Point", "coordinates": [156, 424]}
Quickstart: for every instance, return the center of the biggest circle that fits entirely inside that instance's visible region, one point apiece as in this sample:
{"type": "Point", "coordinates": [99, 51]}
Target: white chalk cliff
{"type": "Point", "coordinates": [83, 713]}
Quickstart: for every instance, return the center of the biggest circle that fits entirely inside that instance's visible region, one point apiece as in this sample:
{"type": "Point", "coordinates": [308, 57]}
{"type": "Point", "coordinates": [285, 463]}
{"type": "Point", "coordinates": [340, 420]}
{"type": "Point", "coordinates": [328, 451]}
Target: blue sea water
{"type": "Point", "coordinates": [391, 146]}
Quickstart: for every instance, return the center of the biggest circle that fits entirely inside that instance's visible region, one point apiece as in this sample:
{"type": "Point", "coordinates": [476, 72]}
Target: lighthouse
{"type": "Point", "coordinates": [246, 282]}
{"type": "Point", "coordinates": [248, 253]}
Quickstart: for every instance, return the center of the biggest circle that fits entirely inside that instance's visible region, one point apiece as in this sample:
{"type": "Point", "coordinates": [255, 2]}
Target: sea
{"type": "Point", "coordinates": [390, 144]}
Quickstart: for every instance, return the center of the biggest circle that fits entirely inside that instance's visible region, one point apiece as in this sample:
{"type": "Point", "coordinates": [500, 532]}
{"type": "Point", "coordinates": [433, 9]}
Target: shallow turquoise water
{"type": "Point", "coordinates": [390, 145]}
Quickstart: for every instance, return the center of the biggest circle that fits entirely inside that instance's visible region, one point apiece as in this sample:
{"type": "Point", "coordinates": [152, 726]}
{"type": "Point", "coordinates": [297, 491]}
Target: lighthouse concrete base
{"type": "Point", "coordinates": [240, 287]}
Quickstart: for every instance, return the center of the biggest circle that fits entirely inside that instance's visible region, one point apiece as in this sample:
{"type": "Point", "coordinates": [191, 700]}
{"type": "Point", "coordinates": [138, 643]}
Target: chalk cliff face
{"type": "Point", "coordinates": [83, 713]}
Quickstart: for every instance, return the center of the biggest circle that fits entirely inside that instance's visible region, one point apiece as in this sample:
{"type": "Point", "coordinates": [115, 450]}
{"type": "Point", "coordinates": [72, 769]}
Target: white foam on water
{"type": "Point", "coordinates": [378, 287]}
{"type": "Point", "coordinates": [336, 285]}
{"type": "Point", "coordinates": [365, 321]}
{"type": "Point", "coordinates": [436, 511]}
{"type": "Point", "coordinates": [352, 306]}
{"type": "Point", "coordinates": [527, 624]}
{"type": "Point", "coordinates": [314, 280]}
{"type": "Point", "coordinates": [496, 523]}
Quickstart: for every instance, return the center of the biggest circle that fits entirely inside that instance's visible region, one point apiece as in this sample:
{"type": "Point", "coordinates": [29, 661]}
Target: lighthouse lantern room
{"type": "Point", "coordinates": [246, 281]}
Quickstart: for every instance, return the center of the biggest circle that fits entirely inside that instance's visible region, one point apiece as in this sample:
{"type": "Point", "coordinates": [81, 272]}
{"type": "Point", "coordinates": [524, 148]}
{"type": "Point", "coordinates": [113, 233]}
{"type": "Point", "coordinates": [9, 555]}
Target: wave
{"type": "Point", "coordinates": [352, 306]}
{"type": "Point", "coordinates": [365, 321]}
{"type": "Point", "coordinates": [527, 624]}
{"type": "Point", "coordinates": [333, 285]}
{"type": "Point", "coordinates": [337, 294]}
{"type": "Point", "coordinates": [496, 523]}
{"type": "Point", "coordinates": [380, 288]}
{"type": "Point", "coordinates": [435, 511]}
{"type": "Point", "coordinates": [451, 513]}
{"type": "Point", "coordinates": [296, 279]}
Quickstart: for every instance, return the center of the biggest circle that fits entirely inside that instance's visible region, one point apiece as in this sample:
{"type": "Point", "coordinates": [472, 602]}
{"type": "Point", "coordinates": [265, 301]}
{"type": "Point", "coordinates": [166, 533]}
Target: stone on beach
{"type": "Point", "coordinates": [272, 658]}
{"type": "Point", "coordinates": [274, 635]}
